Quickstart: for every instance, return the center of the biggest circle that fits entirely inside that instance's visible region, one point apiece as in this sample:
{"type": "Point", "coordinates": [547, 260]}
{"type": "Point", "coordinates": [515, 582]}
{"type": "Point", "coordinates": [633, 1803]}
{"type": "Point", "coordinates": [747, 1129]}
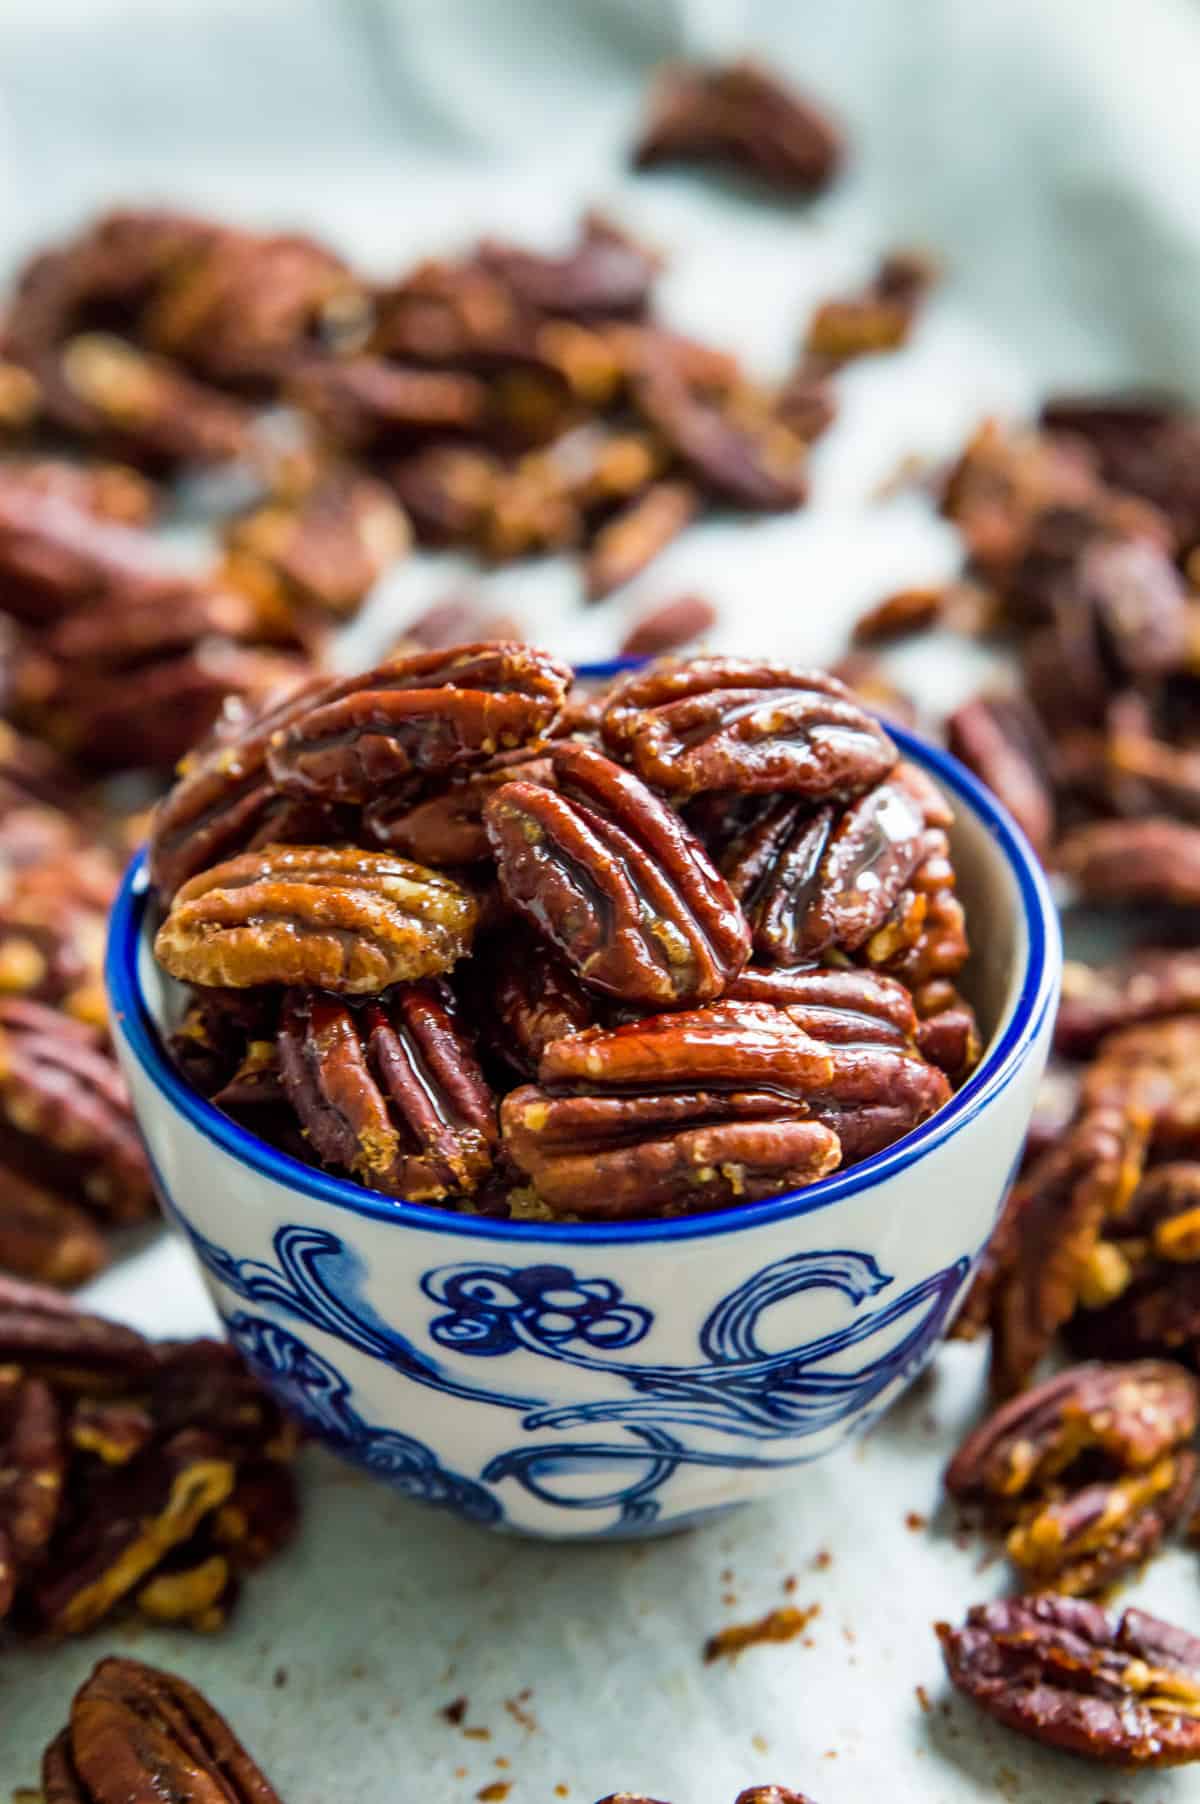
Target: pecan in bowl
{"type": "Point", "coordinates": [550, 1094]}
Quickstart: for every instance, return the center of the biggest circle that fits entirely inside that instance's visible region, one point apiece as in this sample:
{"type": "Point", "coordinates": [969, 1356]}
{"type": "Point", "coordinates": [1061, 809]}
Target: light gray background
{"type": "Point", "coordinates": [1049, 150]}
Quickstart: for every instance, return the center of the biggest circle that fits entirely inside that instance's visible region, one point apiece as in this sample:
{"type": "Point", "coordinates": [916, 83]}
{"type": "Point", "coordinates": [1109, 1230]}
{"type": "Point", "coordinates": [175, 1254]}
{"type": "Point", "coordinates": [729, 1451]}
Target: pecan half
{"type": "Point", "coordinates": [44, 1334]}
{"type": "Point", "coordinates": [137, 1734]}
{"type": "Point", "coordinates": [604, 869]}
{"type": "Point", "coordinates": [634, 537]}
{"type": "Point", "coordinates": [44, 1235]}
{"type": "Point", "coordinates": [1063, 1672]}
{"type": "Point", "coordinates": [688, 1111]}
{"type": "Point", "coordinates": [441, 823]}
{"type": "Point", "coordinates": [426, 713]}
{"type": "Point", "coordinates": [735, 447]}
{"type": "Point", "coordinates": [391, 1091]}
{"type": "Point", "coordinates": [812, 880]}
{"type": "Point", "coordinates": [1154, 1067]}
{"type": "Point", "coordinates": [840, 1007]}
{"type": "Point", "coordinates": [900, 616]}
{"type": "Point", "coordinates": [32, 1468]}
{"type": "Point", "coordinates": [607, 274]}
{"type": "Point", "coordinates": [1144, 444]}
{"type": "Point", "coordinates": [329, 917]}
{"type": "Point", "coordinates": [1098, 1000]}
{"type": "Point", "coordinates": [1000, 739]}
{"type": "Point", "coordinates": [728, 723]}
{"type": "Point", "coordinates": [668, 626]}
{"type": "Point", "coordinates": [1054, 1220]}
{"type": "Point", "coordinates": [1088, 1472]}
{"type": "Point", "coordinates": [531, 998]}
{"type": "Point", "coordinates": [324, 548]}
{"type": "Point", "coordinates": [743, 117]}
{"type": "Point", "coordinates": [1129, 862]}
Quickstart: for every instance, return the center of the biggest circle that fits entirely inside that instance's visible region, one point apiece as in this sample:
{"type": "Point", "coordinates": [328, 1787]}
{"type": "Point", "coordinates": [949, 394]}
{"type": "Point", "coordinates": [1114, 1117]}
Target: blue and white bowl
{"type": "Point", "coordinates": [620, 1378]}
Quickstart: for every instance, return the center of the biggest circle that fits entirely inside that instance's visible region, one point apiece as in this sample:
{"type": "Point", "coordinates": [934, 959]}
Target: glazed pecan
{"type": "Point", "coordinates": [330, 917]}
{"type": "Point", "coordinates": [669, 625]}
{"type": "Point", "coordinates": [447, 490]}
{"type": "Point", "coordinates": [741, 116]}
{"type": "Point", "coordinates": [1097, 1000]}
{"type": "Point", "coordinates": [735, 446]}
{"type": "Point", "coordinates": [687, 1111]}
{"type": "Point", "coordinates": [56, 555]}
{"type": "Point", "coordinates": [879, 318]}
{"type": "Point", "coordinates": [1156, 1068]}
{"type": "Point", "coordinates": [923, 941]}
{"type": "Point", "coordinates": [1054, 1220]}
{"type": "Point", "coordinates": [427, 713]}
{"type": "Point", "coordinates": [44, 1235]}
{"type": "Point", "coordinates": [949, 1038]}
{"type": "Point", "coordinates": [605, 870]}
{"type": "Point", "coordinates": [53, 924]}
{"type": "Point", "coordinates": [728, 723]}
{"type": "Point", "coordinates": [65, 1102]}
{"type": "Point", "coordinates": [839, 1007]}
{"type": "Point", "coordinates": [810, 881]}
{"type": "Point", "coordinates": [107, 491]}
{"type": "Point", "coordinates": [1155, 860]}
{"type": "Point", "coordinates": [322, 549]}
{"type": "Point", "coordinates": [529, 999]}
{"type": "Point", "coordinates": [607, 274]}
{"type": "Point", "coordinates": [1155, 1314]}
{"type": "Point", "coordinates": [138, 1734]}
{"type": "Point", "coordinates": [1087, 1473]}
{"type": "Point", "coordinates": [1144, 444]}
{"type": "Point", "coordinates": [1000, 739]}
{"type": "Point", "coordinates": [1062, 1671]}
{"type": "Point", "coordinates": [389, 1091]}
{"type": "Point", "coordinates": [46, 1336]}
{"type": "Point", "coordinates": [632, 538]}
{"type": "Point", "coordinates": [362, 404]}
{"type": "Point", "coordinates": [442, 823]}
{"type": "Point", "coordinates": [900, 616]}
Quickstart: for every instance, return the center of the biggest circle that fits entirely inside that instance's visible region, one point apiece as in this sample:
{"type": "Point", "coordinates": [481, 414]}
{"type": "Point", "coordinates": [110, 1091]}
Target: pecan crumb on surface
{"type": "Point", "coordinates": [777, 1625]}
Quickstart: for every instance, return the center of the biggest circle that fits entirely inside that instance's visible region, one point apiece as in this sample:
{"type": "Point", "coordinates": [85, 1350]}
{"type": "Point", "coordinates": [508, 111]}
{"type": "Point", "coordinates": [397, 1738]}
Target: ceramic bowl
{"type": "Point", "coordinates": [624, 1378]}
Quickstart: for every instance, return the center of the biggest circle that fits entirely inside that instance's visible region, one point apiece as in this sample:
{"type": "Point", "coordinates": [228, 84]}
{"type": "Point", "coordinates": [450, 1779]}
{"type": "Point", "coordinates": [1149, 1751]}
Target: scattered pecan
{"type": "Point", "coordinates": [607, 274]}
{"type": "Point", "coordinates": [742, 117]}
{"type": "Point", "coordinates": [741, 454]}
{"type": "Point", "coordinates": [635, 536]}
{"type": "Point", "coordinates": [1063, 1672]}
{"type": "Point", "coordinates": [1097, 1000]}
{"type": "Point", "coordinates": [1154, 1068]}
{"type": "Point", "coordinates": [900, 616]}
{"type": "Point", "coordinates": [1088, 1473]}
{"type": "Point", "coordinates": [429, 712]}
{"type": "Point", "coordinates": [728, 723]}
{"type": "Point", "coordinates": [660, 1114]}
{"type": "Point", "coordinates": [137, 1733]}
{"type": "Point", "coordinates": [43, 1235]}
{"type": "Point", "coordinates": [603, 868]}
{"type": "Point", "coordinates": [362, 404]}
{"type": "Point", "coordinates": [447, 490]}
{"type": "Point", "coordinates": [879, 318]}
{"type": "Point", "coordinates": [1133, 861]}
{"type": "Point", "coordinates": [107, 491]}
{"type": "Point", "coordinates": [389, 1091]}
{"type": "Point", "coordinates": [1144, 444]}
{"type": "Point", "coordinates": [669, 625]}
{"type": "Point", "coordinates": [332, 917]}
{"type": "Point", "coordinates": [323, 549]}
{"type": "Point", "coordinates": [1054, 1219]}
{"type": "Point", "coordinates": [1000, 739]}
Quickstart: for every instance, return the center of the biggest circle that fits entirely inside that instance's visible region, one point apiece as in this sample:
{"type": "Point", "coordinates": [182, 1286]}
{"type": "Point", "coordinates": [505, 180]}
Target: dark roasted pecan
{"type": "Point", "coordinates": [1096, 1000]}
{"type": "Point", "coordinates": [736, 446]}
{"type": "Point", "coordinates": [687, 1111]}
{"type": "Point", "coordinates": [1087, 1473]}
{"type": "Point", "coordinates": [949, 1038]}
{"type": "Point", "coordinates": [1155, 1312]}
{"type": "Point", "coordinates": [739, 116]}
{"type": "Point", "coordinates": [329, 917]}
{"type": "Point", "coordinates": [1063, 1672]}
{"type": "Point", "coordinates": [1000, 738]}
{"type": "Point", "coordinates": [32, 1468]}
{"type": "Point", "coordinates": [137, 1735]}
{"type": "Point", "coordinates": [728, 723]}
{"type": "Point", "coordinates": [1145, 444]}
{"type": "Point", "coordinates": [633, 538]}
{"type": "Point", "coordinates": [604, 869]}
{"type": "Point", "coordinates": [879, 318]}
{"type": "Point", "coordinates": [45, 1335]}
{"type": "Point", "coordinates": [43, 1235]}
{"type": "Point", "coordinates": [813, 880]}
{"type": "Point", "coordinates": [1054, 1220]}
{"type": "Point", "coordinates": [389, 1091]}
{"type": "Point", "coordinates": [323, 549]}
{"type": "Point", "coordinates": [1154, 860]}
{"type": "Point", "coordinates": [53, 923]}
{"type": "Point", "coordinates": [669, 625]}
{"type": "Point", "coordinates": [1154, 1068]}
{"type": "Point", "coordinates": [427, 713]}
{"type": "Point", "coordinates": [63, 1095]}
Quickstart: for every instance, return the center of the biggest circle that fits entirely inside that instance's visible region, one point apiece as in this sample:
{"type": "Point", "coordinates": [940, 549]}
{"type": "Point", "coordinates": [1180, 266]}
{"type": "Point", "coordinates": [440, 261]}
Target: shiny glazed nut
{"type": "Point", "coordinates": [634, 537]}
{"type": "Point", "coordinates": [390, 1091]}
{"type": "Point", "coordinates": [441, 823]}
{"type": "Point", "coordinates": [327, 917]}
{"type": "Point", "coordinates": [840, 1007]}
{"type": "Point", "coordinates": [748, 457]}
{"type": "Point", "coordinates": [604, 869]}
{"type": "Point", "coordinates": [324, 548]}
{"type": "Point", "coordinates": [1063, 1672]}
{"type": "Point", "coordinates": [44, 1334]}
{"type": "Point", "coordinates": [669, 625]}
{"type": "Point", "coordinates": [426, 713]}
{"type": "Point", "coordinates": [137, 1735]}
{"type": "Point", "coordinates": [899, 616]}
{"type": "Point", "coordinates": [728, 723]}
{"type": "Point", "coordinates": [532, 998]}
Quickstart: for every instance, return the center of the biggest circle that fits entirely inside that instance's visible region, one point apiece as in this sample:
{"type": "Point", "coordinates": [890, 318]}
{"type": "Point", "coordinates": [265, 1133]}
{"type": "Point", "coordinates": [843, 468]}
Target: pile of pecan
{"type": "Point", "coordinates": [711, 920]}
{"type": "Point", "coordinates": [132, 1473]}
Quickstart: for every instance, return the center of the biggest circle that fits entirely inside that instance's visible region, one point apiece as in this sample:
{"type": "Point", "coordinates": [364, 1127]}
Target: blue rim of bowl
{"type": "Point", "coordinates": [1036, 996]}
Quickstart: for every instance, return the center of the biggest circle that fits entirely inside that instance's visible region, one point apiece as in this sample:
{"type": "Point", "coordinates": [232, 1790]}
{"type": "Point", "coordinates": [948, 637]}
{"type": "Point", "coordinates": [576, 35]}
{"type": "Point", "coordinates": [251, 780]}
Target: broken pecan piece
{"type": "Point", "coordinates": [326, 917]}
{"type": "Point", "coordinates": [390, 1091]}
{"type": "Point", "coordinates": [878, 318]}
{"type": "Point", "coordinates": [604, 869]}
{"type": "Point", "coordinates": [735, 447]}
{"type": "Point", "coordinates": [137, 1735]}
{"type": "Point", "coordinates": [729, 723]}
{"type": "Point", "coordinates": [1063, 1672]}
{"type": "Point", "coordinates": [685, 1111]}
{"type": "Point", "coordinates": [426, 713]}
{"type": "Point", "coordinates": [1088, 1472]}
{"type": "Point", "coordinates": [741, 116]}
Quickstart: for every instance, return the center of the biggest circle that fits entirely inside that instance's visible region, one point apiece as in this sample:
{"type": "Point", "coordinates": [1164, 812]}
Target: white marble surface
{"type": "Point", "coordinates": [1046, 149]}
